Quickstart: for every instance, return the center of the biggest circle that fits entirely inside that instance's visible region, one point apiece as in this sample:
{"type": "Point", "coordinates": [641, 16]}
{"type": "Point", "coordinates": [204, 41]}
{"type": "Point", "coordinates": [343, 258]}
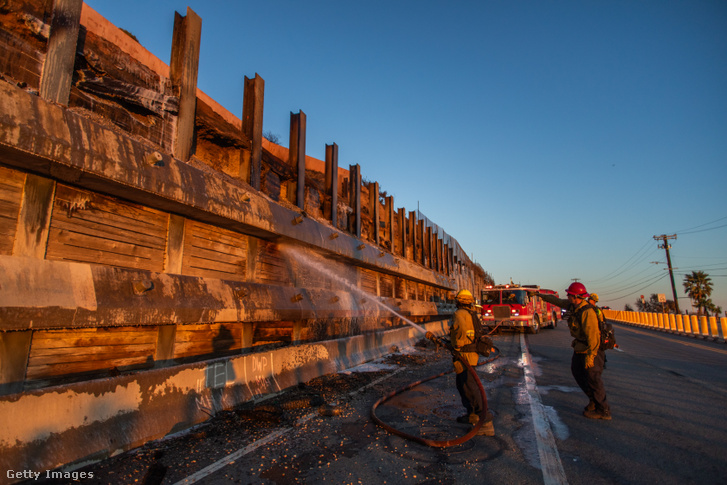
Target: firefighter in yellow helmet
{"type": "Point", "coordinates": [461, 333]}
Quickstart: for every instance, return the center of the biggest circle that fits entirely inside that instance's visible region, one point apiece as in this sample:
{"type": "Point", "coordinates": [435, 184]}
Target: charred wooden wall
{"type": "Point", "coordinates": [181, 258]}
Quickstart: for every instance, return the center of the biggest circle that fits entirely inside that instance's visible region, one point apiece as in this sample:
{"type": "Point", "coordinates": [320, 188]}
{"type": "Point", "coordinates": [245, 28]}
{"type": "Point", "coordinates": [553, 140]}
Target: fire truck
{"type": "Point", "coordinates": [515, 307]}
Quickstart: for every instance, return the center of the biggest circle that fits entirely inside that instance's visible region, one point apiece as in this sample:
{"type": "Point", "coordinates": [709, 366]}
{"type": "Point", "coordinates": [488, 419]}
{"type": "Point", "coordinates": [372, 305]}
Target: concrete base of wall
{"type": "Point", "coordinates": [88, 421]}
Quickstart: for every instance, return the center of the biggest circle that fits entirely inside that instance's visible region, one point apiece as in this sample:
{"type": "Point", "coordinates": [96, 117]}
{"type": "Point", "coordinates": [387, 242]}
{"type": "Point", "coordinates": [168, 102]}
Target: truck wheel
{"type": "Point", "coordinates": [535, 328]}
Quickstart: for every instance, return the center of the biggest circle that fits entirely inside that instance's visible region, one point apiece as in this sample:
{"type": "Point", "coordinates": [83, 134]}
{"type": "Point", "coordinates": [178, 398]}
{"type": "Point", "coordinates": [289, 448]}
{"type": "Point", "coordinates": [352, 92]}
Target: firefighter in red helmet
{"type": "Point", "coordinates": [588, 358]}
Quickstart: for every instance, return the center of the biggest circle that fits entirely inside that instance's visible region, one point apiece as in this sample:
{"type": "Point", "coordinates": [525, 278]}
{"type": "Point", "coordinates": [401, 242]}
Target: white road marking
{"type": "Point", "coordinates": [553, 473]}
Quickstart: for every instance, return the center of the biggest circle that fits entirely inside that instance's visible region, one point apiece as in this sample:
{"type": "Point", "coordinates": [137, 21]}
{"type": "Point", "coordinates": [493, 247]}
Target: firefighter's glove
{"type": "Point", "coordinates": [590, 361]}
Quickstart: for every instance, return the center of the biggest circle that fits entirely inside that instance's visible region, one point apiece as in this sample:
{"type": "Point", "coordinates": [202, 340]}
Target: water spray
{"type": "Point", "coordinates": [321, 268]}
{"type": "Point", "coordinates": [318, 265]}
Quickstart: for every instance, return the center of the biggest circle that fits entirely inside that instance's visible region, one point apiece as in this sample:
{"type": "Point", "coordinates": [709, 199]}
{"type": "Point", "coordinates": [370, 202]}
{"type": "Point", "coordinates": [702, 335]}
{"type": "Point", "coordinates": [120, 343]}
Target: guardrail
{"type": "Point", "coordinates": [711, 328]}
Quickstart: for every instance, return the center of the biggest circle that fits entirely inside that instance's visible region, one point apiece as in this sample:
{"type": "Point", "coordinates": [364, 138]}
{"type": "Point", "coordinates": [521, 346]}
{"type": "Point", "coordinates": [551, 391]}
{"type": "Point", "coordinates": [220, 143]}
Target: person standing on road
{"type": "Point", "coordinates": [461, 333]}
{"type": "Point", "coordinates": [588, 359]}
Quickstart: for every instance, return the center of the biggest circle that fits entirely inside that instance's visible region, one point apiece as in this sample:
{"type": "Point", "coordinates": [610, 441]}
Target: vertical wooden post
{"type": "Point", "coordinates": [183, 70]}
{"type": "Point", "coordinates": [252, 128]}
{"type": "Point", "coordinates": [164, 353]}
{"type": "Point", "coordinates": [422, 242]}
{"type": "Point", "coordinates": [389, 209]}
{"type": "Point", "coordinates": [355, 194]}
{"type": "Point", "coordinates": [296, 159]}
{"type": "Point", "coordinates": [433, 242]}
{"type": "Point", "coordinates": [332, 183]}
{"type": "Point", "coordinates": [440, 261]}
{"type": "Point", "coordinates": [402, 231]}
{"type": "Point", "coordinates": [248, 333]}
{"type": "Point", "coordinates": [427, 246]}
{"type": "Point", "coordinates": [33, 224]}
{"type": "Point", "coordinates": [297, 332]}
{"type": "Point", "coordinates": [55, 80]}
{"type": "Point", "coordinates": [175, 244]}
{"type": "Point", "coordinates": [251, 259]}
{"type": "Point", "coordinates": [447, 259]}
{"type": "Point", "coordinates": [412, 224]}
{"type": "Point", "coordinates": [14, 352]}
{"type": "Point", "coordinates": [374, 210]}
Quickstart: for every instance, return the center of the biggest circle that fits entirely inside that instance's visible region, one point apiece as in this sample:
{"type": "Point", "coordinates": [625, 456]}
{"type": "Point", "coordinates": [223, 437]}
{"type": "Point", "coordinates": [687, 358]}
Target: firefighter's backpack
{"type": "Point", "coordinates": [608, 336]}
{"type": "Point", "coordinates": [482, 343]}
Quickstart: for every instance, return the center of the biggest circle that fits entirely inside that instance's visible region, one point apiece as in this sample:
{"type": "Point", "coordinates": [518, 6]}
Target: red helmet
{"type": "Point", "coordinates": [577, 289]}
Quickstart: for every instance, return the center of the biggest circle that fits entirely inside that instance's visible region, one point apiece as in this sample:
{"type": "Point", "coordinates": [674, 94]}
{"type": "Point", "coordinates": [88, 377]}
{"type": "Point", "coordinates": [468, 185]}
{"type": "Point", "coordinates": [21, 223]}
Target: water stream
{"type": "Point", "coordinates": [322, 266]}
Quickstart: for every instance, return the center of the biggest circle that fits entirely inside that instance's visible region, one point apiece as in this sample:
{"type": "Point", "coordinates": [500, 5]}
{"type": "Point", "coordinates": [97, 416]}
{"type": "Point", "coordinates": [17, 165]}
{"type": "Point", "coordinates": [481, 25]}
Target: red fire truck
{"type": "Point", "coordinates": [515, 307]}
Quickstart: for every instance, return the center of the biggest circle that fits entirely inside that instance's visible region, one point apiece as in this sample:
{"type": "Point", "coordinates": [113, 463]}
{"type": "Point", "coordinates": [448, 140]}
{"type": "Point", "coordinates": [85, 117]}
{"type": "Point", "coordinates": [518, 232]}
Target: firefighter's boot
{"type": "Point", "coordinates": [487, 428]}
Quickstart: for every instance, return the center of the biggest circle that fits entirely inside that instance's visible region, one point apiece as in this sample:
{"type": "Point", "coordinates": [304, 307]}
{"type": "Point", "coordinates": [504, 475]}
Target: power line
{"type": "Point", "coordinates": [640, 289]}
{"type": "Point", "coordinates": [703, 230]}
{"type": "Point", "coordinates": [652, 277]}
{"type": "Point", "coordinates": [611, 275]}
{"type": "Point", "coordinates": [687, 231]}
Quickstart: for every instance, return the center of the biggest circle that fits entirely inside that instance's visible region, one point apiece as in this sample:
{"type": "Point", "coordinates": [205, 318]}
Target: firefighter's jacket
{"type": "Point", "coordinates": [462, 332]}
{"type": "Point", "coordinates": [584, 330]}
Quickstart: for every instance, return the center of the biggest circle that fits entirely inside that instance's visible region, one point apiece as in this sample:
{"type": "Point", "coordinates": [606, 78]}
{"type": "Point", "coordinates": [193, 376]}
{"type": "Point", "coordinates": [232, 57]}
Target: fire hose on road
{"type": "Point", "coordinates": [430, 442]}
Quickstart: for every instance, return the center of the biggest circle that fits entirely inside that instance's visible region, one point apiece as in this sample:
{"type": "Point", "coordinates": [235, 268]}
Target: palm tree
{"type": "Point", "coordinates": [698, 286]}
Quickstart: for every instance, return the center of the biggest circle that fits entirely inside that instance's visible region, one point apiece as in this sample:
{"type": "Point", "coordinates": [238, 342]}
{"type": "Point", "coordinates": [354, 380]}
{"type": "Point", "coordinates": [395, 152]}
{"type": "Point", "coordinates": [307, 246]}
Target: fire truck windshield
{"type": "Point", "coordinates": [513, 297]}
{"type": "Point", "coordinates": [509, 297]}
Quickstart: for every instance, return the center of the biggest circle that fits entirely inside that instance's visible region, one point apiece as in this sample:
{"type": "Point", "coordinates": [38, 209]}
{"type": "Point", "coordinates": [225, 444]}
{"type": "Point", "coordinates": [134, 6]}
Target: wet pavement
{"type": "Point", "coordinates": [322, 432]}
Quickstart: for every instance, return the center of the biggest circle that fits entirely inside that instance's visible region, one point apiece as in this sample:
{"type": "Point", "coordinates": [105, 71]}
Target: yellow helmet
{"type": "Point", "coordinates": [594, 297]}
{"type": "Point", "coordinates": [465, 297]}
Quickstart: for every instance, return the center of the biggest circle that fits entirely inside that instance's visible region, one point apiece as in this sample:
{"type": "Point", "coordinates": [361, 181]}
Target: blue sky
{"type": "Point", "coordinates": [552, 139]}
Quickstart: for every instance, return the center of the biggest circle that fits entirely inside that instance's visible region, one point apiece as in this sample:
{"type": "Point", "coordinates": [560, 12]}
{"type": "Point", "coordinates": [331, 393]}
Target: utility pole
{"type": "Point", "coordinates": [666, 247]}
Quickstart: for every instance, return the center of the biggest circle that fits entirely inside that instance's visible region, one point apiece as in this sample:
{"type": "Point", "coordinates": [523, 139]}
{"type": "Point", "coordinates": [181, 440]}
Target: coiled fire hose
{"type": "Point", "coordinates": [438, 443]}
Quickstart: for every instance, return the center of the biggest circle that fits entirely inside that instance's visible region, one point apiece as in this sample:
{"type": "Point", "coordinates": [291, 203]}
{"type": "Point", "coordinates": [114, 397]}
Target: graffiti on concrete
{"type": "Point", "coordinates": [260, 375]}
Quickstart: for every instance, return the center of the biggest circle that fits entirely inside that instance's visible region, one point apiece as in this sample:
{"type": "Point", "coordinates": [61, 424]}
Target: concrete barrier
{"type": "Point", "coordinates": [71, 425]}
{"type": "Point", "coordinates": [711, 328]}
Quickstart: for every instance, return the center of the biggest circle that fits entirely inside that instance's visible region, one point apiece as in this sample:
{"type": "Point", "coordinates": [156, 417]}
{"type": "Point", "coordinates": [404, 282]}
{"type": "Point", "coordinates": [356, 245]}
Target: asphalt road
{"type": "Point", "coordinates": [667, 396]}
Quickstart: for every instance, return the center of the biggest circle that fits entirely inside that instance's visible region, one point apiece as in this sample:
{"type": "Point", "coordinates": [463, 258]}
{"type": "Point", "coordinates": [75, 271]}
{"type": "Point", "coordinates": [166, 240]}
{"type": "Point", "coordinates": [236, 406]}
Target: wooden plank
{"type": "Point", "coordinates": [369, 281]}
{"type": "Point", "coordinates": [46, 371]}
{"type": "Point", "coordinates": [89, 227]}
{"type": "Point", "coordinates": [386, 283]}
{"type": "Point", "coordinates": [56, 353]}
{"type": "Point", "coordinates": [104, 231]}
{"type": "Point", "coordinates": [55, 81]}
{"type": "Point", "coordinates": [98, 353]}
{"type": "Point", "coordinates": [214, 252]}
{"type": "Point", "coordinates": [205, 339]}
{"type": "Point", "coordinates": [64, 339]}
{"type": "Point", "coordinates": [217, 254]}
{"type": "Point", "coordinates": [20, 58]}
{"type": "Point", "coordinates": [214, 244]}
{"type": "Point", "coordinates": [95, 243]}
{"type": "Point", "coordinates": [100, 208]}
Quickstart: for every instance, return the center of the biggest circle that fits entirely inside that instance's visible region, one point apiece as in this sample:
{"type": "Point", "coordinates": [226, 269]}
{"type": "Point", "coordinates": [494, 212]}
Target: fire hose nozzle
{"type": "Point", "coordinates": [430, 336]}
